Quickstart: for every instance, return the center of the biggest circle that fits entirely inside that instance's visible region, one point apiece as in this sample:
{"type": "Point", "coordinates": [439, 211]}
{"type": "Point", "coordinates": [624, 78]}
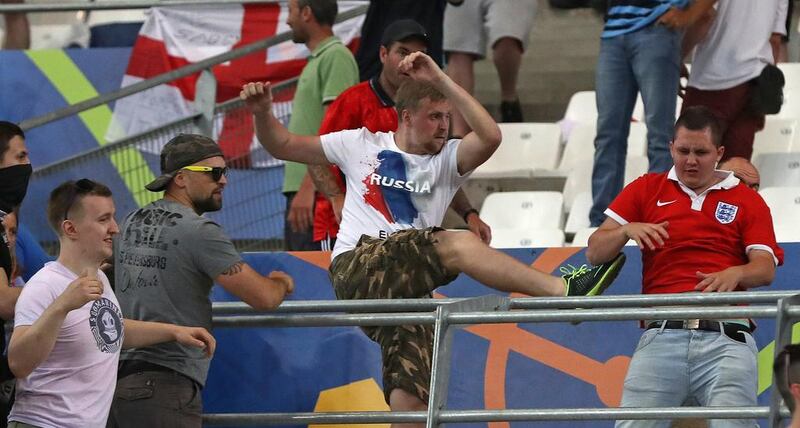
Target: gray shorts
{"type": "Point", "coordinates": [475, 24]}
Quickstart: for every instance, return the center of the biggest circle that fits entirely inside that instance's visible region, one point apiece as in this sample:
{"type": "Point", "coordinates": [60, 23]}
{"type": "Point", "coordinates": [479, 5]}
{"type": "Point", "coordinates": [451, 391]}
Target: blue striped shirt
{"type": "Point", "coordinates": [627, 16]}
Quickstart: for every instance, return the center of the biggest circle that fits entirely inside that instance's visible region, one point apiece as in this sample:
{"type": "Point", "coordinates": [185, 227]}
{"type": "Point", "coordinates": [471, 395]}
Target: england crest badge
{"type": "Point", "coordinates": [726, 213]}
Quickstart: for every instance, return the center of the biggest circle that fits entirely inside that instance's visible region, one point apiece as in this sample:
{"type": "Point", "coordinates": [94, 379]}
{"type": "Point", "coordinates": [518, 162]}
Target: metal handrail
{"type": "Point", "coordinates": [520, 316]}
{"type": "Point", "coordinates": [426, 305]}
{"type": "Point", "coordinates": [471, 416]}
{"type": "Point", "coordinates": [173, 75]}
{"type": "Point", "coordinates": [117, 5]}
{"type": "Point", "coordinates": [138, 138]}
{"type": "Point", "coordinates": [607, 308]}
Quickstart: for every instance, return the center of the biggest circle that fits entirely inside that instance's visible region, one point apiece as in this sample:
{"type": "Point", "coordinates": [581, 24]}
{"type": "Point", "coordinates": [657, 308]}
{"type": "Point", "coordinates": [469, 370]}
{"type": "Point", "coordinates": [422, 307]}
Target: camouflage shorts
{"type": "Point", "coordinates": [404, 265]}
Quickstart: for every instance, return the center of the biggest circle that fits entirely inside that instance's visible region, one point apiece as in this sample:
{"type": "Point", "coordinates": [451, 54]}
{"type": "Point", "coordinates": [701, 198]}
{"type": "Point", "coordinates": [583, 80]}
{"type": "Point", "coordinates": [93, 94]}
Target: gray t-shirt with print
{"type": "Point", "coordinates": [166, 259]}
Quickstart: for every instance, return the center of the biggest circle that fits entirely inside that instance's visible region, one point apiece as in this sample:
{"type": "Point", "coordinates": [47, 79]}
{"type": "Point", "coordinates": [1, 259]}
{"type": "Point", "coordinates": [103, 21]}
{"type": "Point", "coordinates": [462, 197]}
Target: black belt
{"type": "Point", "coordinates": [732, 330]}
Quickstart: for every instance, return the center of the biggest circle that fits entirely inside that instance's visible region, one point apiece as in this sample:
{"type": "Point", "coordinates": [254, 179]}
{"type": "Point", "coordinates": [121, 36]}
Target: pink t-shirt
{"type": "Point", "coordinates": [74, 386]}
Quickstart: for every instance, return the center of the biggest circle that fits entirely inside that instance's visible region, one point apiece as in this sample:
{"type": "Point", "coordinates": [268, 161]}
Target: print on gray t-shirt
{"type": "Point", "coordinates": [165, 262]}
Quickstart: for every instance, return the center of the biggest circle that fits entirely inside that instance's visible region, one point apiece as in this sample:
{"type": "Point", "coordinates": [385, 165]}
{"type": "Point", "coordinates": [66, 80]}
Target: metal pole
{"type": "Point", "coordinates": [443, 345]}
{"type": "Point", "coordinates": [473, 416]}
{"type": "Point", "coordinates": [205, 97]}
{"type": "Point", "coordinates": [172, 75]}
{"type": "Point", "coordinates": [430, 305]}
{"type": "Point", "coordinates": [116, 5]}
{"type": "Point", "coordinates": [784, 323]}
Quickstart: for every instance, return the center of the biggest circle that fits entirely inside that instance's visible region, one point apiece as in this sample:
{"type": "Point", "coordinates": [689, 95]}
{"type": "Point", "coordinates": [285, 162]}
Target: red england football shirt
{"type": "Point", "coordinates": [708, 232]}
{"type": "Point", "coordinates": [365, 105]}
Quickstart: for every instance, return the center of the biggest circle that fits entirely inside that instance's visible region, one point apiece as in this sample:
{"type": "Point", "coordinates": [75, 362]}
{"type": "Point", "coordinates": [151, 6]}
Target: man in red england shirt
{"type": "Point", "coordinates": [699, 229]}
{"type": "Point", "coordinates": [370, 105]}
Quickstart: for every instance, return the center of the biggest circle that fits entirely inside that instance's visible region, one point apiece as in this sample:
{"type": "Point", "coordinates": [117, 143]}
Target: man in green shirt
{"type": "Point", "coordinates": [330, 70]}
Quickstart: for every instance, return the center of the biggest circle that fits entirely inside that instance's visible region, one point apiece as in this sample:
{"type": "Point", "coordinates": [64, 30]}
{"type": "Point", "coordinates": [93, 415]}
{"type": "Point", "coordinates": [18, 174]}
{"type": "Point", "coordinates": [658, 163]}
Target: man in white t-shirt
{"type": "Point", "coordinates": [68, 328]}
{"type": "Point", "coordinates": [735, 51]}
{"type": "Point", "coordinates": [398, 188]}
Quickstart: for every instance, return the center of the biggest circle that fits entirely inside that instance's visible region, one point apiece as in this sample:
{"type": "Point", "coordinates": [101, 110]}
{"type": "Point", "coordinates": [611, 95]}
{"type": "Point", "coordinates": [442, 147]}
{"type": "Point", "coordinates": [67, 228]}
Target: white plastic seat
{"type": "Point", "coordinates": [778, 169]}
{"type": "Point", "coordinates": [581, 238]}
{"type": "Point", "coordinates": [635, 167]}
{"type": "Point", "coordinates": [526, 147]}
{"type": "Point", "coordinates": [580, 144]}
{"type": "Point", "coordinates": [578, 217]}
{"type": "Point", "coordinates": [791, 71]}
{"type": "Point", "coordinates": [579, 180]}
{"type": "Point", "coordinates": [776, 137]}
{"type": "Point", "coordinates": [582, 107]}
{"type": "Point", "coordinates": [527, 238]}
{"type": "Point", "coordinates": [784, 203]}
{"type": "Point", "coordinates": [529, 210]}
{"type": "Point", "coordinates": [788, 232]}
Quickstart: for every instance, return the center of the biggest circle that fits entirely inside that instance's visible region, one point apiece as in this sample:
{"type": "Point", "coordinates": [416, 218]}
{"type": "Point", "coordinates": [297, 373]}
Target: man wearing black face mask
{"type": "Point", "coordinates": [15, 171]}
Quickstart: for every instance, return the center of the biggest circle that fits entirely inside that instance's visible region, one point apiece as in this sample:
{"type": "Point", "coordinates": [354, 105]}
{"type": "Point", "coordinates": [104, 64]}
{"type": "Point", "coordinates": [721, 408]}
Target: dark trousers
{"type": "Point", "coordinates": [156, 399]}
{"type": "Point", "coordinates": [297, 241]}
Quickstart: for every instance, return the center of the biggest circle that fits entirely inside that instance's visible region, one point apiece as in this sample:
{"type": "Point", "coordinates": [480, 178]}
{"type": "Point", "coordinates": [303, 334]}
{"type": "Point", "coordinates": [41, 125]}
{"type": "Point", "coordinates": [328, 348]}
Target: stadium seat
{"type": "Point", "coordinates": [578, 217]}
{"type": "Point", "coordinates": [530, 210]}
{"type": "Point", "coordinates": [527, 238]}
{"type": "Point", "coordinates": [579, 180]}
{"type": "Point", "coordinates": [580, 144]}
{"type": "Point", "coordinates": [791, 71]}
{"type": "Point", "coordinates": [581, 238]}
{"type": "Point", "coordinates": [784, 203]}
{"type": "Point", "coordinates": [635, 167]}
{"type": "Point", "coordinates": [582, 108]}
{"type": "Point", "coordinates": [788, 232]}
{"type": "Point", "coordinates": [778, 169]}
{"type": "Point", "coordinates": [776, 137]}
{"type": "Point", "coordinates": [526, 147]}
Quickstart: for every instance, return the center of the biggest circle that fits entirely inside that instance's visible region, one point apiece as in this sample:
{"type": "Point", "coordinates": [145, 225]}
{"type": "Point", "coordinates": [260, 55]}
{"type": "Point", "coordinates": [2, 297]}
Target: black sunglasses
{"type": "Point", "coordinates": [79, 188]}
{"type": "Point", "coordinates": [216, 171]}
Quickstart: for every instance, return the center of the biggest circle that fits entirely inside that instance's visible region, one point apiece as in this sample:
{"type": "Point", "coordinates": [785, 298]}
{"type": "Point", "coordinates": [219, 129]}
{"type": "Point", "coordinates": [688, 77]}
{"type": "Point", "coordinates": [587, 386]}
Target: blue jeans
{"type": "Point", "coordinates": [646, 61]}
{"type": "Point", "coordinates": [673, 365]}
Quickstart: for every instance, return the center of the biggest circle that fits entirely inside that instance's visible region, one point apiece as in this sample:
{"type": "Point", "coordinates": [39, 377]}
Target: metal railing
{"type": "Point", "coordinates": [449, 314]}
{"type": "Point", "coordinates": [178, 73]}
{"type": "Point", "coordinates": [117, 5]}
{"type": "Point", "coordinates": [255, 221]}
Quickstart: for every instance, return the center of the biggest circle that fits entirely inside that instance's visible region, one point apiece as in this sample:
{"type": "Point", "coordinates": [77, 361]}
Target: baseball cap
{"type": "Point", "coordinates": [403, 29]}
{"type": "Point", "coordinates": [183, 150]}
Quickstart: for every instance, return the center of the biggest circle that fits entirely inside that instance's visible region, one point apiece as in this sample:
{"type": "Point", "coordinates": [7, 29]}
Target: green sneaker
{"type": "Point", "coordinates": [585, 281]}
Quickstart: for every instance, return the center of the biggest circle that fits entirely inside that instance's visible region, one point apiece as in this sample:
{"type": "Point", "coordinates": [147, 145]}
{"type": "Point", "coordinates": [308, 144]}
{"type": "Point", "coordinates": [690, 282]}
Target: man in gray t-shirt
{"type": "Point", "coordinates": [166, 261]}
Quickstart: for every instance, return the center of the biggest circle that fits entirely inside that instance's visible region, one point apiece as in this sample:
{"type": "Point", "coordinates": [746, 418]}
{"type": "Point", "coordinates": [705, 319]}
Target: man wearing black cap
{"type": "Point", "coordinates": [370, 105]}
{"type": "Point", "coordinates": [166, 261]}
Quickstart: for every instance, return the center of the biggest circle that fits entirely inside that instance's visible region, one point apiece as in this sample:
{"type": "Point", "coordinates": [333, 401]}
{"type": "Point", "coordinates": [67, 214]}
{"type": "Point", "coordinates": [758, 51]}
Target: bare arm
{"type": "Point", "coordinates": [607, 241]}
{"type": "Point", "coordinates": [145, 333]}
{"type": "Point", "coordinates": [681, 18]}
{"type": "Point", "coordinates": [275, 138]}
{"type": "Point", "coordinates": [31, 345]}
{"type": "Point", "coordinates": [8, 297]}
{"type": "Point", "coordinates": [757, 272]}
{"type": "Point", "coordinates": [258, 291]}
{"type": "Point", "coordinates": [462, 206]}
{"type": "Point", "coordinates": [696, 32]}
{"type": "Point", "coordinates": [18, 32]}
{"type": "Point", "coordinates": [485, 137]}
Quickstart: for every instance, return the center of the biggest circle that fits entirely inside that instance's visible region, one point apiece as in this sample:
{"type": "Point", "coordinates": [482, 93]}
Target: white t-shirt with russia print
{"type": "Point", "coordinates": [388, 189]}
{"type": "Point", "coordinates": [74, 386]}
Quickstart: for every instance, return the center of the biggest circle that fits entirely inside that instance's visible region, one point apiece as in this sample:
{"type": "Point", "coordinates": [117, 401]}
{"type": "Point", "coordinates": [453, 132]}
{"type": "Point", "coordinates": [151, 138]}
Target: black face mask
{"type": "Point", "coordinates": [13, 185]}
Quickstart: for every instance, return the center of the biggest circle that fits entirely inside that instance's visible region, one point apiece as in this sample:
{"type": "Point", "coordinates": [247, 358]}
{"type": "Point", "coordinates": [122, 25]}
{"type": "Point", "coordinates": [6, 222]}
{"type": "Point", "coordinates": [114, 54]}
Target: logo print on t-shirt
{"type": "Point", "coordinates": [389, 189]}
{"type": "Point", "coordinates": [105, 320]}
{"type": "Point", "coordinates": [726, 213]}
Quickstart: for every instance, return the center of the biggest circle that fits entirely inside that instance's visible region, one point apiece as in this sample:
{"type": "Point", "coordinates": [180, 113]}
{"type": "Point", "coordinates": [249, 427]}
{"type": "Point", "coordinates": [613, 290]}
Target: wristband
{"type": "Point", "coordinates": [470, 211]}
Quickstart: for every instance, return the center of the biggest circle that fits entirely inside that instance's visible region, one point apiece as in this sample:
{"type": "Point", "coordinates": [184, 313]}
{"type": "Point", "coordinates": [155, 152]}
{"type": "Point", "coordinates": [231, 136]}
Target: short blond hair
{"type": "Point", "coordinates": [411, 92]}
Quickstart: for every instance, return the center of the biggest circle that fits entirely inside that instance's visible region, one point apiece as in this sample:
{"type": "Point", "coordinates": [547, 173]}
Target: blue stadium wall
{"type": "Point", "coordinates": [545, 365]}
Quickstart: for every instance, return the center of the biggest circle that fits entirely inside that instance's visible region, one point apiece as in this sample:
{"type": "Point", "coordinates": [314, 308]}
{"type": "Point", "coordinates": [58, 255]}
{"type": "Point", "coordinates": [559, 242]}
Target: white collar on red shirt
{"type": "Point", "coordinates": [728, 181]}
